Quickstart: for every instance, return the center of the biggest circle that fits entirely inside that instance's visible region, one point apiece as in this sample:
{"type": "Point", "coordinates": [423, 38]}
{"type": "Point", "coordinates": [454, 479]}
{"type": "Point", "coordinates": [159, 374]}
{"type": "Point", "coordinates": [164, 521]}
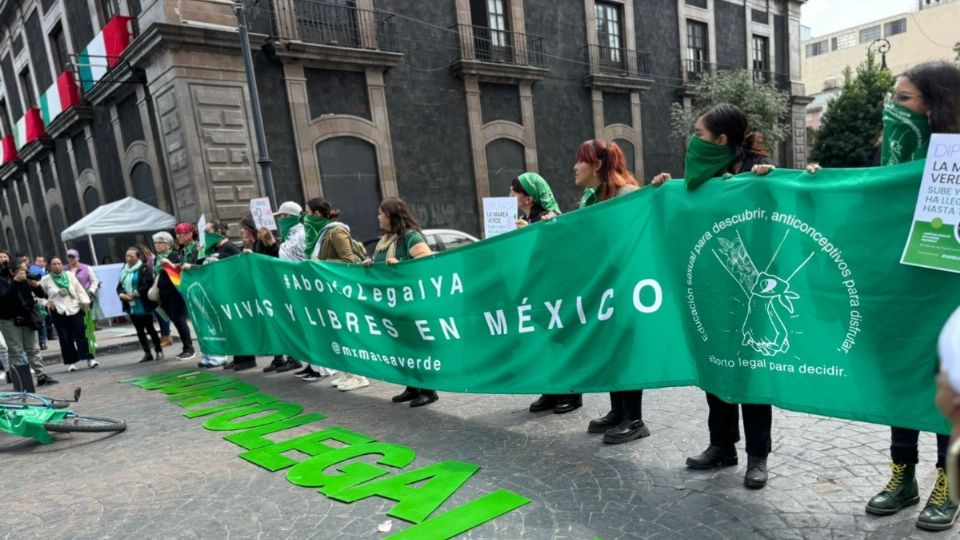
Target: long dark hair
{"type": "Point", "coordinates": [401, 219]}
{"type": "Point", "coordinates": [323, 206]}
{"type": "Point", "coordinates": [939, 82]}
{"type": "Point", "coordinates": [536, 210]}
{"type": "Point", "coordinates": [613, 171]}
{"type": "Point", "coordinates": [729, 120]}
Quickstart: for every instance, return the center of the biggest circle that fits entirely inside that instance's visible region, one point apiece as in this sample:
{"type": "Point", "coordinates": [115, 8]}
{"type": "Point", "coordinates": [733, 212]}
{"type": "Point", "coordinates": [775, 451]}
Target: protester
{"type": "Point", "coordinates": [19, 321]}
{"type": "Point", "coordinates": [290, 247]}
{"type": "Point", "coordinates": [253, 244]}
{"type": "Point", "coordinates": [169, 298]}
{"type": "Point", "coordinates": [136, 277]}
{"type": "Point", "coordinates": [219, 247]}
{"type": "Point", "coordinates": [402, 240]}
{"type": "Point", "coordinates": [188, 252]}
{"type": "Point", "coordinates": [534, 199]}
{"type": "Point", "coordinates": [723, 144]}
{"type": "Point", "coordinates": [39, 268]}
{"type": "Point", "coordinates": [330, 240]}
{"type": "Point", "coordinates": [89, 281]}
{"type": "Point", "coordinates": [67, 302]}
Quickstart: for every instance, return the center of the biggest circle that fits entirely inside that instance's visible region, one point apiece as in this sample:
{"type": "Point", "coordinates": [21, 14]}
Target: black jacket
{"type": "Point", "coordinates": [144, 282]}
{"type": "Point", "coordinates": [17, 301]}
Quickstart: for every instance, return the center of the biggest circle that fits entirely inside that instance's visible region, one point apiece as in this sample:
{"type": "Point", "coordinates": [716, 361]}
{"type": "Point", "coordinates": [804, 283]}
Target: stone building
{"type": "Point", "coordinates": [440, 102]}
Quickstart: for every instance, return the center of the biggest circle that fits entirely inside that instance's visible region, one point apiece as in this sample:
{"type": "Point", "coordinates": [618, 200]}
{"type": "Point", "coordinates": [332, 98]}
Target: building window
{"type": "Point", "coordinates": [609, 33]}
{"type": "Point", "coordinates": [697, 3]}
{"type": "Point", "coordinates": [893, 28]}
{"type": "Point", "coordinates": [17, 44]}
{"type": "Point", "coordinates": [698, 52]}
{"type": "Point", "coordinates": [817, 48]}
{"type": "Point", "coordinates": [867, 35]}
{"type": "Point", "coordinates": [58, 46]}
{"type": "Point", "coordinates": [108, 9]}
{"type": "Point", "coordinates": [759, 16]}
{"type": "Point", "coordinates": [497, 20]}
{"type": "Point", "coordinates": [761, 57]}
{"type": "Point", "coordinates": [26, 89]}
{"type": "Point", "coordinates": [5, 118]}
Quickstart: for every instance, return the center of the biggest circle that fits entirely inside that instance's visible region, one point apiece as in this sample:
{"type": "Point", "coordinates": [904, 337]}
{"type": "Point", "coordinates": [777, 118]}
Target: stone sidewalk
{"type": "Point", "coordinates": [168, 477]}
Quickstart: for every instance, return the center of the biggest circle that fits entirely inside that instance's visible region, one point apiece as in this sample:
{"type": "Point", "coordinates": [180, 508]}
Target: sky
{"type": "Point", "coordinates": [826, 16]}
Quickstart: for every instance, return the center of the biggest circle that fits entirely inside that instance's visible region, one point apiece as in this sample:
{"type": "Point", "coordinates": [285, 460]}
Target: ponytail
{"type": "Point", "coordinates": [753, 145]}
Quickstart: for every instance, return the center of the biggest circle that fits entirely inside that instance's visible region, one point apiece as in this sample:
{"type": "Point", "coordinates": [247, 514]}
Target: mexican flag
{"type": "Point", "coordinates": [29, 128]}
{"type": "Point", "coordinates": [104, 51]}
{"type": "Point", "coordinates": [9, 149]}
{"type": "Point", "coordinates": [62, 95]}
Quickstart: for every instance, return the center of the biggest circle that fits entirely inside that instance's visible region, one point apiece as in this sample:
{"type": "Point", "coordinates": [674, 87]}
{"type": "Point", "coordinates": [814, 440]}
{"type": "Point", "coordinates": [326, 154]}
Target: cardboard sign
{"type": "Point", "coordinates": [262, 214]}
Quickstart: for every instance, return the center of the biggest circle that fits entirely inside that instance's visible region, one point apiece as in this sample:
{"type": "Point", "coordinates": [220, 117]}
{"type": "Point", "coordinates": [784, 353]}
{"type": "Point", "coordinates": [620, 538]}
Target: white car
{"type": "Point", "coordinates": [438, 240]}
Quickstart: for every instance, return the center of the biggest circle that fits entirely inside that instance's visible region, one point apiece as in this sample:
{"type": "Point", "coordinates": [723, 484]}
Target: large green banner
{"type": "Point", "coordinates": [785, 289]}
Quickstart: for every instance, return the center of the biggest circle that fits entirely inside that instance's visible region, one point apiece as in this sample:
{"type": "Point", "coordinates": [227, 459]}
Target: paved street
{"type": "Point", "coordinates": [168, 477]}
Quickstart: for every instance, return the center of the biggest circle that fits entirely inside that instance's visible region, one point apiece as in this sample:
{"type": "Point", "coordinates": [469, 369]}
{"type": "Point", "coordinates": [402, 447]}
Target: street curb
{"type": "Point", "coordinates": [53, 357]}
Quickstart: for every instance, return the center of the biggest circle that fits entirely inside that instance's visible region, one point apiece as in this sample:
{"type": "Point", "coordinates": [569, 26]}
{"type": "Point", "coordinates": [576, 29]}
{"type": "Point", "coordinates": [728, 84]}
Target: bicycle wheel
{"type": "Point", "coordinates": [31, 400]}
{"type": "Point", "coordinates": [88, 424]}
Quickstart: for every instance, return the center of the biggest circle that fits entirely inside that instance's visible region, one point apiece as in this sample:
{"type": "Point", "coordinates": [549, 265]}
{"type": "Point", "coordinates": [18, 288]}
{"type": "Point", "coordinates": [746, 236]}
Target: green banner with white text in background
{"type": "Point", "coordinates": [785, 289]}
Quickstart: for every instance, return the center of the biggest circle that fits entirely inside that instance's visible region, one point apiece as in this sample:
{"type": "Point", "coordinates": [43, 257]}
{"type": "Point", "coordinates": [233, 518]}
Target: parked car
{"type": "Point", "coordinates": [437, 239]}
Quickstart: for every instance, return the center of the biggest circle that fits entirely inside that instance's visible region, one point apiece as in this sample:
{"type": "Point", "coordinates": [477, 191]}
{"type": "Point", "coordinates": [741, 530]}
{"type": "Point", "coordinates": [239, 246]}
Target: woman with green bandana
{"type": "Point", "coordinates": [67, 301]}
{"type": "Point", "coordinates": [601, 169]}
{"type": "Point", "coordinates": [534, 198]}
{"type": "Point", "coordinates": [136, 277]}
{"type": "Point", "coordinates": [722, 144]}
{"type": "Point", "coordinates": [188, 251]}
{"type": "Point", "coordinates": [402, 240]}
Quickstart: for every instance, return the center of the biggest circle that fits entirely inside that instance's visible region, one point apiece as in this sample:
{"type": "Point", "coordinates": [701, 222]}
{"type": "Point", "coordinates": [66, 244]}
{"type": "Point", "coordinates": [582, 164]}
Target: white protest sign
{"type": "Point", "coordinates": [934, 240]}
{"type": "Point", "coordinates": [202, 233]}
{"type": "Point", "coordinates": [499, 215]}
{"type": "Point", "coordinates": [262, 214]}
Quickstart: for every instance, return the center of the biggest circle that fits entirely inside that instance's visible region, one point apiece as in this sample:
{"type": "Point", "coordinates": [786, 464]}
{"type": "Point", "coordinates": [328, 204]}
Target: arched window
{"type": "Point", "coordinates": [505, 161]}
{"type": "Point", "coordinates": [350, 179]}
{"type": "Point", "coordinates": [629, 152]}
{"type": "Point", "coordinates": [141, 176]}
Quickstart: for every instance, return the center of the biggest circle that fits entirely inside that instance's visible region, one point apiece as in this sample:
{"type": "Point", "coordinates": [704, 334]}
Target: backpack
{"type": "Point", "coordinates": [357, 248]}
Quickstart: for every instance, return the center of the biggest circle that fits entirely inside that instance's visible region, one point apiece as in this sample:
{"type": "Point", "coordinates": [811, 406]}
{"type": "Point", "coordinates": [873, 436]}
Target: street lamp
{"type": "Point", "coordinates": [263, 157]}
{"type": "Point", "coordinates": [881, 46]}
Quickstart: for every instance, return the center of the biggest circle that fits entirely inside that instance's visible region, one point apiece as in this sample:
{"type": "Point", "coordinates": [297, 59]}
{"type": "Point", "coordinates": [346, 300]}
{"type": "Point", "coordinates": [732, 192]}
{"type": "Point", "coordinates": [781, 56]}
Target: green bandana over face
{"type": "Point", "coordinates": [906, 135]}
{"type": "Point", "coordinates": [539, 190]}
{"type": "Point", "coordinates": [286, 225]}
{"type": "Point", "coordinates": [62, 279]}
{"type": "Point", "coordinates": [589, 197]}
{"type": "Point", "coordinates": [210, 241]}
{"type": "Point", "coordinates": [313, 226]}
{"type": "Point", "coordinates": [704, 161]}
{"type": "Point", "coordinates": [158, 261]}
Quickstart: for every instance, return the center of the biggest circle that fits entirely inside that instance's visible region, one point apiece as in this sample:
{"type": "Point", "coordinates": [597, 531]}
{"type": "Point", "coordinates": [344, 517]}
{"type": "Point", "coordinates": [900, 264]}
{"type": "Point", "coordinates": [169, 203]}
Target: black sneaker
{"type": "Point", "coordinates": [46, 380]}
{"type": "Point", "coordinates": [289, 365]}
{"type": "Point", "coordinates": [240, 365]}
{"type": "Point", "coordinates": [303, 372]}
{"type": "Point", "coordinates": [313, 376]}
{"type": "Point", "coordinates": [186, 355]}
{"type": "Point", "coordinates": [277, 362]}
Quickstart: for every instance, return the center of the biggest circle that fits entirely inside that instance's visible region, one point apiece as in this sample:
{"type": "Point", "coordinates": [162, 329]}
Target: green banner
{"type": "Point", "coordinates": [785, 289]}
{"type": "Point", "coordinates": [29, 422]}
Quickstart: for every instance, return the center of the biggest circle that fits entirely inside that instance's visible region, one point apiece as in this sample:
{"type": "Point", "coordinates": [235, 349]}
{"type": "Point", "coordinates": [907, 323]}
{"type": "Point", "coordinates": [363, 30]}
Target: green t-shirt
{"type": "Point", "coordinates": [411, 239]}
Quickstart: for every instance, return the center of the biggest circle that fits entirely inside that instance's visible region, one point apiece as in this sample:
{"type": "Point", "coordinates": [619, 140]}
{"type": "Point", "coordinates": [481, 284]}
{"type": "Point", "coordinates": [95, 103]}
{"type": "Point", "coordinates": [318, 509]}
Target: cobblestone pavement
{"type": "Point", "coordinates": [167, 477]}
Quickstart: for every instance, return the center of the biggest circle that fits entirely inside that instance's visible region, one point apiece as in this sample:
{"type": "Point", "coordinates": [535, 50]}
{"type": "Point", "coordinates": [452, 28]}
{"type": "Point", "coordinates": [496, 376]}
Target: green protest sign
{"type": "Point", "coordinates": [785, 289]}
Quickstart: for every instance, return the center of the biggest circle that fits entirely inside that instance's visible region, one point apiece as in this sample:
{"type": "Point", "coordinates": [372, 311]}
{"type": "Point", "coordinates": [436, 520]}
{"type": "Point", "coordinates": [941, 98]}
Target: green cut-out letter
{"type": "Point", "coordinates": [150, 382]}
{"type": "Point", "coordinates": [225, 422]}
{"type": "Point", "coordinates": [253, 399]}
{"type": "Point", "coordinates": [272, 458]}
{"type": "Point", "coordinates": [191, 399]}
{"type": "Point", "coordinates": [310, 472]}
{"type": "Point", "coordinates": [465, 517]}
{"type": "Point", "coordinates": [252, 439]}
{"type": "Point", "coordinates": [197, 385]}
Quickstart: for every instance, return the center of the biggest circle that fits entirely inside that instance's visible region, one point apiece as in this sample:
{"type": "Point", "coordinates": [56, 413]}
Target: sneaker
{"type": "Point", "coordinates": [353, 382]}
{"type": "Point", "coordinates": [303, 372]}
{"type": "Point", "coordinates": [240, 365]}
{"type": "Point", "coordinates": [92, 363]}
{"type": "Point", "coordinates": [43, 347]}
{"type": "Point", "coordinates": [900, 492]}
{"type": "Point", "coordinates": [289, 365]}
{"type": "Point", "coordinates": [230, 364]}
{"type": "Point", "coordinates": [940, 513]}
{"type": "Point", "coordinates": [46, 380]}
{"type": "Point", "coordinates": [338, 379]}
{"type": "Point", "coordinates": [277, 362]}
{"type": "Point", "coordinates": [72, 367]}
{"type": "Point", "coordinates": [313, 376]}
{"type": "Point", "coordinates": [186, 355]}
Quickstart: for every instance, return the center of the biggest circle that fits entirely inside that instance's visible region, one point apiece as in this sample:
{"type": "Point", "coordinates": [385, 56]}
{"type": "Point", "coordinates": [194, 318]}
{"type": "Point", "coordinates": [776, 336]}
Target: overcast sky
{"type": "Point", "coordinates": [826, 16]}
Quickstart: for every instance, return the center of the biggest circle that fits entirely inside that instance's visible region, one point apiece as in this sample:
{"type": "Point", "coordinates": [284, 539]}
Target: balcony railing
{"type": "Point", "coordinates": [696, 69]}
{"type": "Point", "coordinates": [780, 80]}
{"type": "Point", "coordinates": [480, 43]}
{"type": "Point", "coordinates": [345, 26]}
{"type": "Point", "coordinates": [260, 17]}
{"type": "Point", "coordinates": [606, 60]}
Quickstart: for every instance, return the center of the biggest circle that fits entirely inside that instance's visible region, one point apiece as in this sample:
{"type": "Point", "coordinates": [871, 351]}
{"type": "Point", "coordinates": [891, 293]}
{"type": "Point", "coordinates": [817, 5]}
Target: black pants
{"type": "Point", "coordinates": [903, 446]}
{"type": "Point", "coordinates": [144, 325]}
{"type": "Point", "coordinates": [627, 405]}
{"type": "Point", "coordinates": [177, 311]}
{"type": "Point", "coordinates": [724, 423]}
{"type": "Point", "coordinates": [72, 334]}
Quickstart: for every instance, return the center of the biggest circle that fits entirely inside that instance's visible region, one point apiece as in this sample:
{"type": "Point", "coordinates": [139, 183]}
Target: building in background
{"type": "Point", "coordinates": [440, 102]}
{"type": "Point", "coordinates": [914, 38]}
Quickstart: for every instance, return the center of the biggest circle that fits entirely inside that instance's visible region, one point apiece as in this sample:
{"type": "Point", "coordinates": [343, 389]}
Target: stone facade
{"type": "Point", "coordinates": [438, 102]}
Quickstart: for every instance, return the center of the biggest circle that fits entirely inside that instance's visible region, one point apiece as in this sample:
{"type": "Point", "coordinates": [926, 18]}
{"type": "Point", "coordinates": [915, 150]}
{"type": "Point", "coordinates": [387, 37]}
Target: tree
{"type": "Point", "coordinates": [766, 107]}
{"type": "Point", "coordinates": [854, 119]}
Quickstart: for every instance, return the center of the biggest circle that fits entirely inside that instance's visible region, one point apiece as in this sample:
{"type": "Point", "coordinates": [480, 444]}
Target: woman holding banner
{"type": "Point", "coordinates": [402, 240]}
{"type": "Point", "coordinates": [534, 199]}
{"type": "Point", "coordinates": [601, 169]}
{"type": "Point", "coordinates": [722, 145]}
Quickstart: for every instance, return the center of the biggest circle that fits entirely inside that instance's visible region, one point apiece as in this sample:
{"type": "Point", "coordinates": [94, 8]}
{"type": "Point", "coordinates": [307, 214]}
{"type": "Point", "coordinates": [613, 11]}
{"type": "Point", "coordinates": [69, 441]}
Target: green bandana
{"type": "Point", "coordinates": [589, 197]}
{"type": "Point", "coordinates": [704, 161]}
{"type": "Point", "coordinates": [158, 262]}
{"type": "Point", "coordinates": [286, 225]}
{"type": "Point", "coordinates": [906, 135]}
{"type": "Point", "coordinates": [62, 279]}
{"type": "Point", "coordinates": [537, 187]}
{"type": "Point", "coordinates": [313, 226]}
{"type": "Point", "coordinates": [210, 241]}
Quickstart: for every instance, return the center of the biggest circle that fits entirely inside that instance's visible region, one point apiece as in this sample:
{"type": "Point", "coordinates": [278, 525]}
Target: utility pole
{"type": "Point", "coordinates": [263, 156]}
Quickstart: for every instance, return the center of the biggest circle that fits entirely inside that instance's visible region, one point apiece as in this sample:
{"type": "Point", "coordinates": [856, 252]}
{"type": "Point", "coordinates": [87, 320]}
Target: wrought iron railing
{"type": "Point", "coordinates": [606, 60]}
{"type": "Point", "coordinates": [260, 17]}
{"type": "Point", "coordinates": [779, 80]}
{"type": "Point", "coordinates": [499, 46]}
{"type": "Point", "coordinates": [696, 69]}
{"type": "Point", "coordinates": [345, 26]}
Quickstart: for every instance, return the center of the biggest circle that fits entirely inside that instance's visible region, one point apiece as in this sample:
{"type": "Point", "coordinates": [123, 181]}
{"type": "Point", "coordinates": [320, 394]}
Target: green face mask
{"type": "Point", "coordinates": [313, 226]}
{"type": "Point", "coordinates": [906, 135]}
{"type": "Point", "coordinates": [704, 160]}
{"type": "Point", "coordinates": [210, 241]}
{"type": "Point", "coordinates": [286, 224]}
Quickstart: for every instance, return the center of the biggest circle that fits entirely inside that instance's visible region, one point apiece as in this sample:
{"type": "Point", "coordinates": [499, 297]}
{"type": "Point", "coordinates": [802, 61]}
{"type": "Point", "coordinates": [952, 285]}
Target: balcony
{"type": "Point", "coordinates": [617, 70]}
{"type": "Point", "coordinates": [781, 81]}
{"type": "Point", "coordinates": [334, 35]}
{"type": "Point", "coordinates": [499, 55]}
{"type": "Point", "coordinates": [696, 70]}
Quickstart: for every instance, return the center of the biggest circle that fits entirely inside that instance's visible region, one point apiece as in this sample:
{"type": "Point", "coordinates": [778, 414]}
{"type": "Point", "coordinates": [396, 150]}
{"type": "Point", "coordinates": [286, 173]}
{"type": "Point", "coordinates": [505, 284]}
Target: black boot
{"type": "Point", "coordinates": [626, 431]}
{"type": "Point", "coordinates": [756, 475]}
{"type": "Point", "coordinates": [159, 354]}
{"type": "Point", "coordinates": [426, 397]}
{"type": "Point", "coordinates": [713, 457]}
{"type": "Point", "coordinates": [409, 393]}
{"type": "Point", "coordinates": [147, 357]}
{"type": "Point", "coordinates": [240, 364]}
{"type": "Point", "coordinates": [568, 403]}
{"type": "Point", "coordinates": [601, 425]}
{"type": "Point", "coordinates": [543, 403]}
{"type": "Point", "coordinates": [900, 492]}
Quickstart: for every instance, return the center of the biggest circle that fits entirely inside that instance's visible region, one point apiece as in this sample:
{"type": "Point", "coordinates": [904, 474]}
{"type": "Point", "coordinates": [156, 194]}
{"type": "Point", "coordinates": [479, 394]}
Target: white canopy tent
{"type": "Point", "coordinates": [121, 217]}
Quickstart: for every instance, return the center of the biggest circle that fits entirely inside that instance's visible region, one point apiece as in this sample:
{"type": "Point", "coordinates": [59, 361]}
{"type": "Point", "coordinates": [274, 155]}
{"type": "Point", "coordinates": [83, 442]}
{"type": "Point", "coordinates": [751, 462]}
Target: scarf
{"type": "Point", "coordinates": [286, 225]}
{"type": "Point", "coordinates": [128, 276]}
{"type": "Point", "coordinates": [313, 227]}
{"type": "Point", "coordinates": [62, 279]}
{"type": "Point", "coordinates": [539, 190]}
{"type": "Point", "coordinates": [158, 262]}
{"type": "Point", "coordinates": [210, 242]}
{"type": "Point", "coordinates": [906, 135]}
{"type": "Point", "coordinates": [705, 160]}
{"type": "Point", "coordinates": [589, 197]}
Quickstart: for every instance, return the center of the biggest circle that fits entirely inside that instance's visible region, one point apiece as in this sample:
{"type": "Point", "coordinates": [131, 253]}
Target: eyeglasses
{"type": "Point", "coordinates": [899, 97]}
